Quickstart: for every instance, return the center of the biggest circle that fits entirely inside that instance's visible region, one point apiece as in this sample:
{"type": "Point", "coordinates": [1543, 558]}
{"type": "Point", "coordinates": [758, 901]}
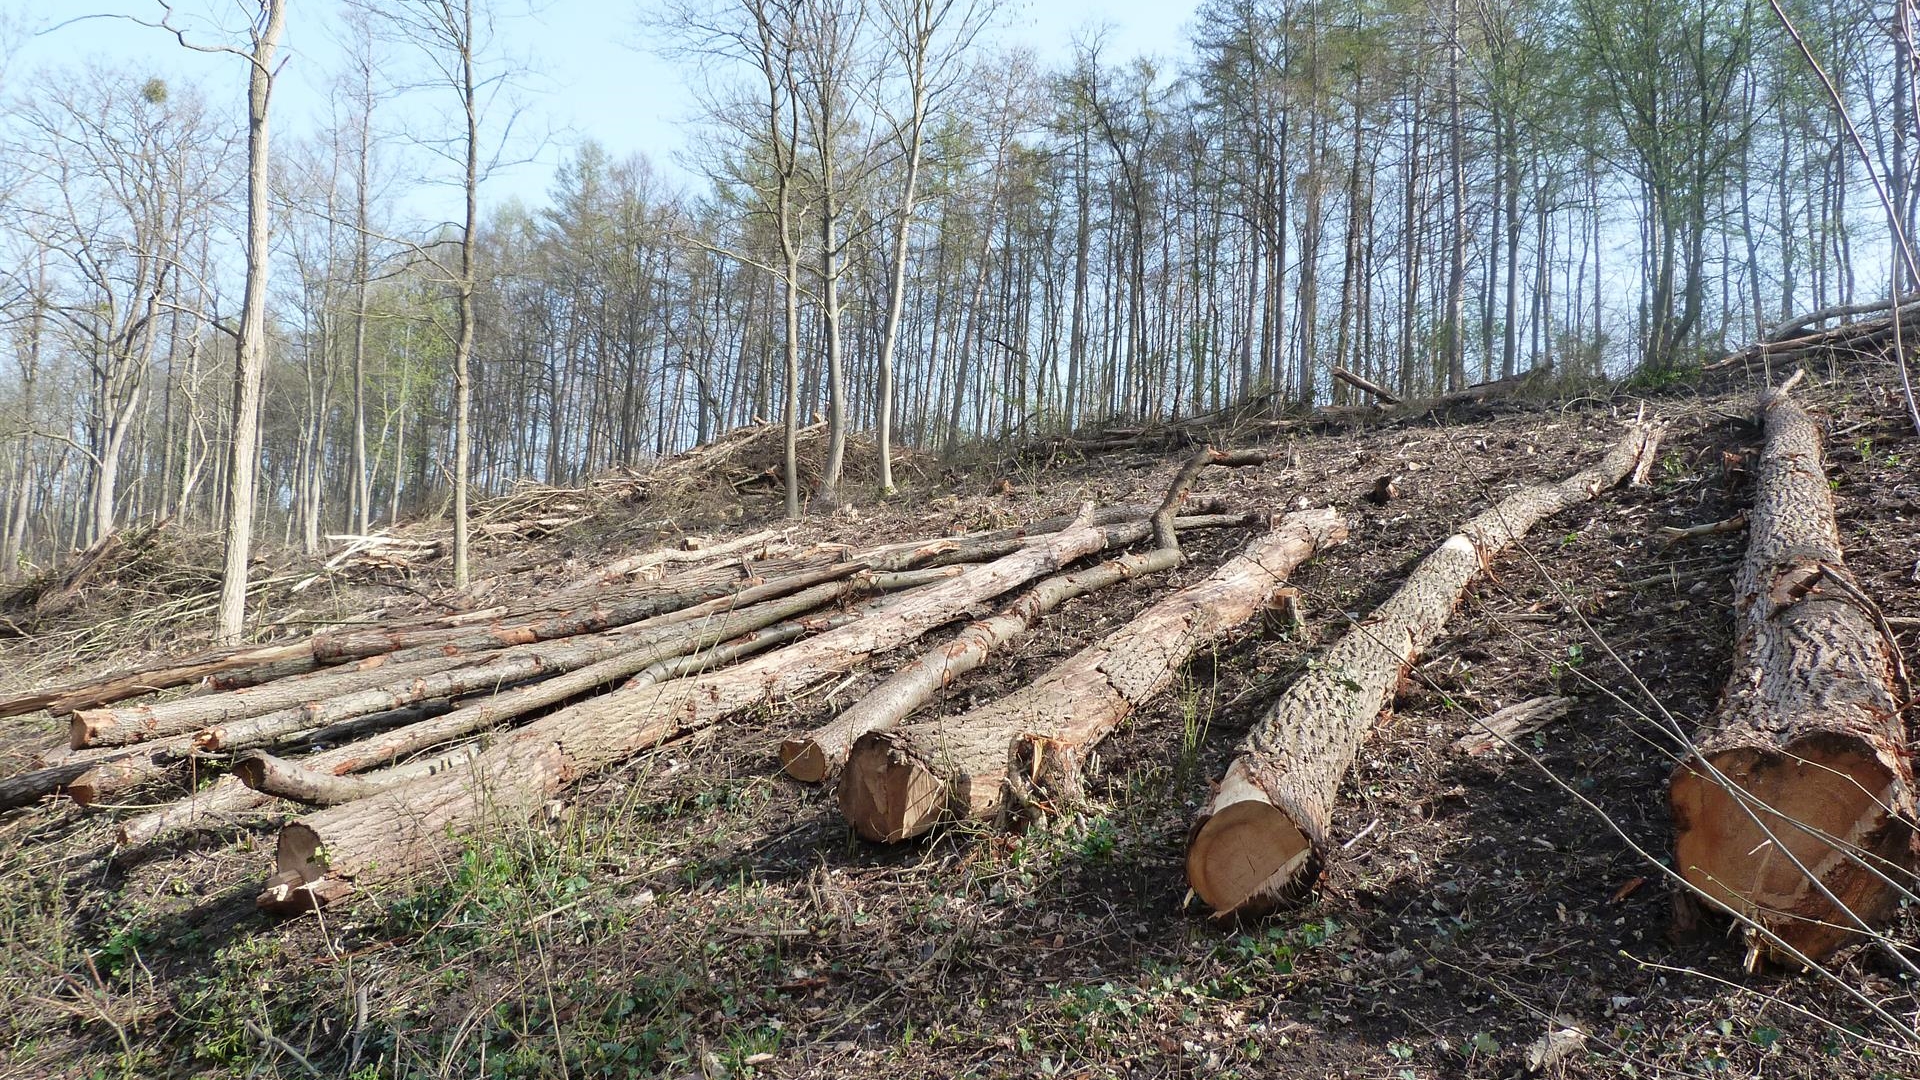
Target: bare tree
{"type": "Point", "coordinates": [456, 41]}
{"type": "Point", "coordinates": [928, 38]}
{"type": "Point", "coordinates": [263, 33]}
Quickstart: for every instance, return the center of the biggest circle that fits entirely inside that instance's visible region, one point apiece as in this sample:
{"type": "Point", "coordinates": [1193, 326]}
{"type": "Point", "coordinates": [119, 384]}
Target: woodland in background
{"type": "Point", "coordinates": [1428, 195]}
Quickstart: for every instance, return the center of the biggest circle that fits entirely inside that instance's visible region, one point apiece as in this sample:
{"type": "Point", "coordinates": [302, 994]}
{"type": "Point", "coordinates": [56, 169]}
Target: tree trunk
{"type": "Point", "coordinates": [811, 757]}
{"type": "Point", "coordinates": [1267, 823]}
{"type": "Point", "coordinates": [324, 856]}
{"type": "Point", "coordinates": [139, 723]}
{"type": "Point", "coordinates": [900, 784]}
{"type": "Point", "coordinates": [250, 351]}
{"type": "Point", "coordinates": [1379, 392]}
{"type": "Point", "coordinates": [1808, 732]}
{"type": "Point", "coordinates": [716, 646]}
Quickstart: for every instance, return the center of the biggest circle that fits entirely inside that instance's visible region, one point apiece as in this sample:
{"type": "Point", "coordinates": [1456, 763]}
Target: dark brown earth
{"type": "Point", "coordinates": [693, 914]}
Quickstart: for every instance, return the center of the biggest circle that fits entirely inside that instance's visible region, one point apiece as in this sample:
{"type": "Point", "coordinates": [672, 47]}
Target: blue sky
{"type": "Point", "coordinates": [596, 76]}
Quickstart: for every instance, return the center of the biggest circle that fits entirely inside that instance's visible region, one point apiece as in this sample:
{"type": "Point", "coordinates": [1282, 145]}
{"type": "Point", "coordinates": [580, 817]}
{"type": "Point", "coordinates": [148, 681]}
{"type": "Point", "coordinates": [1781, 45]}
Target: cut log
{"type": "Point", "coordinates": [272, 776]}
{"type": "Point", "coordinates": [811, 757]}
{"type": "Point", "coordinates": [1799, 325]}
{"type": "Point", "coordinates": [634, 565]}
{"type": "Point", "coordinates": [54, 772]}
{"type": "Point", "coordinates": [159, 675]}
{"type": "Point", "coordinates": [1266, 828]}
{"type": "Point", "coordinates": [900, 784]}
{"type": "Point", "coordinates": [1381, 393]}
{"type": "Point", "coordinates": [324, 856]}
{"type": "Point", "coordinates": [230, 796]}
{"type": "Point", "coordinates": [296, 781]}
{"type": "Point", "coordinates": [139, 723]}
{"type": "Point", "coordinates": [135, 766]}
{"type": "Point", "coordinates": [1804, 768]}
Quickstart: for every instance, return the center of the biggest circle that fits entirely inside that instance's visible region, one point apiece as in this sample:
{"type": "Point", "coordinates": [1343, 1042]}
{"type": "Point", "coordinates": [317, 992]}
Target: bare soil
{"type": "Point", "coordinates": [694, 914]}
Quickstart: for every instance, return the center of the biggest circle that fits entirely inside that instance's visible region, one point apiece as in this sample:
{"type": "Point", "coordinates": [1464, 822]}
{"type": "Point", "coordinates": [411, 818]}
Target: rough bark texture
{"type": "Point", "coordinates": [720, 641]}
{"type": "Point", "coordinates": [1266, 826]}
{"type": "Point", "coordinates": [900, 784]}
{"type": "Point", "coordinates": [138, 765]}
{"type": "Point", "coordinates": [1808, 729]}
{"type": "Point", "coordinates": [272, 776]}
{"type": "Point", "coordinates": [813, 756]}
{"type": "Point", "coordinates": [392, 835]}
{"type": "Point", "coordinates": [160, 675]}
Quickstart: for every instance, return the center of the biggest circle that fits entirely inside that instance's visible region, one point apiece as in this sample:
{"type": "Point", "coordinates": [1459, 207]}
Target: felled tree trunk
{"type": "Point", "coordinates": [721, 641]}
{"type": "Point", "coordinates": [390, 836]}
{"type": "Point", "coordinates": [138, 723]}
{"type": "Point", "coordinates": [159, 675]}
{"type": "Point", "coordinates": [1265, 828]}
{"type": "Point", "coordinates": [900, 784]}
{"type": "Point", "coordinates": [1381, 393]}
{"type": "Point", "coordinates": [1800, 790]}
{"type": "Point", "coordinates": [812, 756]}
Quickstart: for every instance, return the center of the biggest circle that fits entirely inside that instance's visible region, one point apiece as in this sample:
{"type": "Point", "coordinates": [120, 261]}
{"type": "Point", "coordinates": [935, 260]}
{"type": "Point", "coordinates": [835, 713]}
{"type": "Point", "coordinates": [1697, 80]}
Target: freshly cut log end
{"type": "Point", "coordinates": [1816, 799]}
{"type": "Point", "coordinates": [803, 760]}
{"type": "Point", "coordinates": [302, 883]}
{"type": "Point", "coordinates": [1813, 807]}
{"type": "Point", "coordinates": [90, 727]}
{"type": "Point", "coordinates": [1249, 857]}
{"type": "Point", "coordinates": [888, 795]}
{"type": "Point", "coordinates": [1245, 858]}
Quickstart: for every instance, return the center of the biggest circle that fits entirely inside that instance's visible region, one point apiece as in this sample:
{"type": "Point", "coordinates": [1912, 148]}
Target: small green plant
{"type": "Point", "coordinates": [1095, 838]}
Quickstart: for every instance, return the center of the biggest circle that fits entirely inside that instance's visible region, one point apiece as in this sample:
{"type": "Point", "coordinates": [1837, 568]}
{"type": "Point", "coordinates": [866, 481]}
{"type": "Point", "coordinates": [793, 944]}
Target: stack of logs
{"type": "Point", "coordinates": [1793, 811]}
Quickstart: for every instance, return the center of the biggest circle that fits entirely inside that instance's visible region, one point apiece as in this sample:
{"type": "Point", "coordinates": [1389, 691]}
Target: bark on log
{"type": "Point", "coordinates": [160, 675]}
{"type": "Point", "coordinates": [52, 776]}
{"type": "Point", "coordinates": [1266, 827]}
{"type": "Point", "coordinates": [136, 766]}
{"type": "Point", "coordinates": [811, 757]}
{"type": "Point", "coordinates": [1859, 334]}
{"type": "Point", "coordinates": [899, 784]}
{"type": "Point", "coordinates": [139, 723]}
{"type": "Point", "coordinates": [1808, 732]}
{"type": "Point", "coordinates": [230, 796]}
{"type": "Point", "coordinates": [636, 564]}
{"type": "Point", "coordinates": [1799, 324]}
{"type": "Point", "coordinates": [390, 836]}
{"type": "Point", "coordinates": [1379, 392]}
{"type": "Point", "coordinates": [295, 781]}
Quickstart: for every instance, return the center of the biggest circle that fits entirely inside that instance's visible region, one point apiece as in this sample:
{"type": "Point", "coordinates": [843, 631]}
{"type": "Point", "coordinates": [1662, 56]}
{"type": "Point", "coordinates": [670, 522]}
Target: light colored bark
{"type": "Point", "coordinates": [250, 358]}
{"type": "Point", "coordinates": [900, 784]}
{"type": "Point", "coordinates": [325, 856]}
{"type": "Point", "coordinates": [1266, 827]}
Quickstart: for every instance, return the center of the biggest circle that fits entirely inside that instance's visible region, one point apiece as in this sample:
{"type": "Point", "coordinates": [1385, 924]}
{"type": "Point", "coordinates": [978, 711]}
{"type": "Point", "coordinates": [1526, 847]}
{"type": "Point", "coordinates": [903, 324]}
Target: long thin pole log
{"type": "Point", "coordinates": [324, 856]}
{"type": "Point", "coordinates": [1797, 804]}
{"type": "Point", "coordinates": [229, 796]}
{"type": "Point", "coordinates": [1266, 826]}
{"type": "Point", "coordinates": [1384, 396]}
{"type": "Point", "coordinates": [139, 723]}
{"type": "Point", "coordinates": [811, 757]}
{"type": "Point", "coordinates": [900, 784]}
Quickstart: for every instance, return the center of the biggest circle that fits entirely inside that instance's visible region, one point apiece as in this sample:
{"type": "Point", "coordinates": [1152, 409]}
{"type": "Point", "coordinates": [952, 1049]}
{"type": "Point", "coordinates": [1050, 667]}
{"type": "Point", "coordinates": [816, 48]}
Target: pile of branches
{"type": "Point", "coordinates": [1261, 415]}
{"type": "Point", "coordinates": [751, 461]}
{"type": "Point", "coordinates": [1858, 328]}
